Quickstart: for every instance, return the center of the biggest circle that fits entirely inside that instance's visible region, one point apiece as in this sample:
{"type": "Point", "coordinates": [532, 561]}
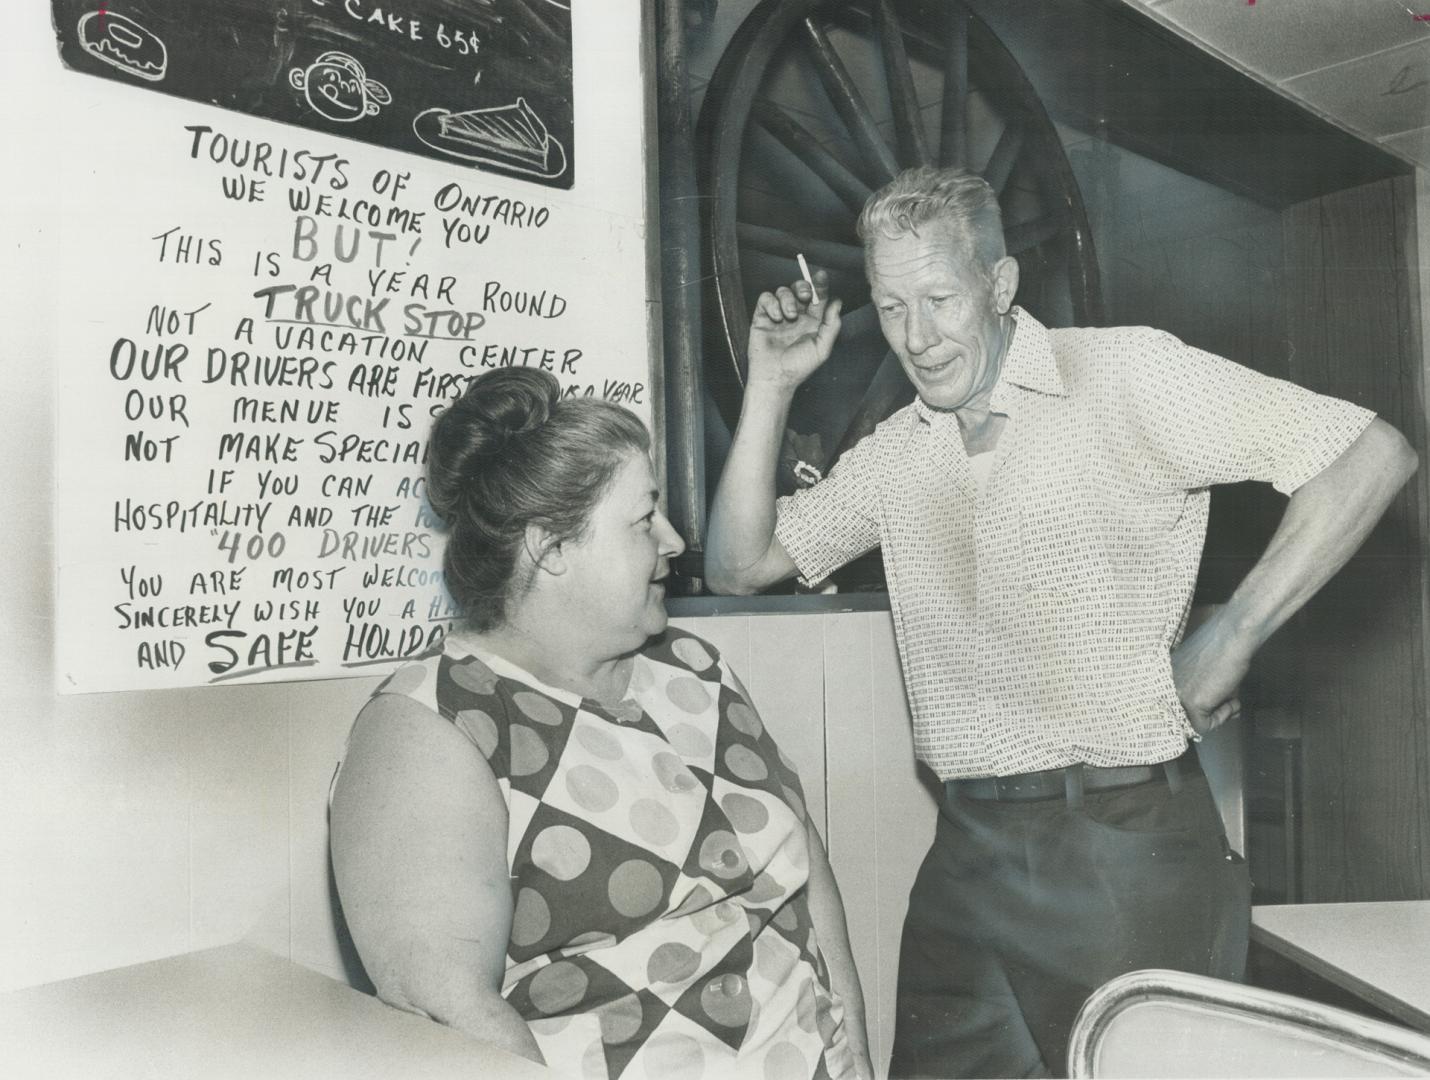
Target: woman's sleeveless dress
{"type": "Point", "coordinates": [658, 858]}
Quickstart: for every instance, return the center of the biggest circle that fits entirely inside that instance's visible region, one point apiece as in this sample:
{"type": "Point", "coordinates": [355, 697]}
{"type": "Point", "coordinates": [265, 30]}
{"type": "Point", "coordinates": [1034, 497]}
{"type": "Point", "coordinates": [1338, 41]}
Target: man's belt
{"type": "Point", "coordinates": [1072, 781]}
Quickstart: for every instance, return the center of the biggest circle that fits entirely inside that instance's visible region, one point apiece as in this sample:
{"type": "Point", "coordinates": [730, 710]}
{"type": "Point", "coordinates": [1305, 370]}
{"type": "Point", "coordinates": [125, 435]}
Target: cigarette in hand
{"type": "Point", "coordinates": [804, 269]}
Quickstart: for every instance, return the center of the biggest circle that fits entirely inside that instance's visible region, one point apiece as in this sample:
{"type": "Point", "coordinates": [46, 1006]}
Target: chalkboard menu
{"type": "Point", "coordinates": [482, 83]}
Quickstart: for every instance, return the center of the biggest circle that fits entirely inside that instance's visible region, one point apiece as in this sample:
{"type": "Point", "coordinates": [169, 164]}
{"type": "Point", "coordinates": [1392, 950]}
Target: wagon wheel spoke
{"type": "Point", "coordinates": [886, 391]}
{"type": "Point", "coordinates": [849, 103]}
{"type": "Point", "coordinates": [1033, 265]}
{"type": "Point", "coordinates": [908, 123]}
{"type": "Point", "coordinates": [797, 140]}
{"type": "Point", "coordinates": [827, 253]}
{"type": "Point", "coordinates": [953, 128]}
{"type": "Point", "coordinates": [1004, 157]}
{"type": "Point", "coordinates": [1030, 234]}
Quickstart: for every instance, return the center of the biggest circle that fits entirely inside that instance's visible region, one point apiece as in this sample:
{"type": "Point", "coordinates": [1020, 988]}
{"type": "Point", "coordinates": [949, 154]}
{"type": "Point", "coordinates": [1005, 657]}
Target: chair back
{"type": "Point", "coordinates": [1162, 1024]}
{"type": "Point", "coordinates": [1223, 757]}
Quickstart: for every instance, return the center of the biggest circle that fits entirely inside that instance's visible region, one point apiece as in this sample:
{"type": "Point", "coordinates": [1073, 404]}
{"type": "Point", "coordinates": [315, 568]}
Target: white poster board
{"type": "Point", "coordinates": [260, 323]}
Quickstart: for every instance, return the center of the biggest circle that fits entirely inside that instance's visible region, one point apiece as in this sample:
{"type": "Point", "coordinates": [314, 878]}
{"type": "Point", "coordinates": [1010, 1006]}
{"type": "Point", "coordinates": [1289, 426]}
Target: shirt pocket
{"type": "Point", "coordinates": [1063, 546]}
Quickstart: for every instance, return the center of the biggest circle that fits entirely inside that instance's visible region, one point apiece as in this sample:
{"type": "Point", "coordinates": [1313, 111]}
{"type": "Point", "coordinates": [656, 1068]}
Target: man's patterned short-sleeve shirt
{"type": "Point", "coordinates": [1035, 620]}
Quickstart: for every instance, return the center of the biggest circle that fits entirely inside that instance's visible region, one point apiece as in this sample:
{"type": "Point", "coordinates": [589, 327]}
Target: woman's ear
{"type": "Point", "coordinates": [544, 549]}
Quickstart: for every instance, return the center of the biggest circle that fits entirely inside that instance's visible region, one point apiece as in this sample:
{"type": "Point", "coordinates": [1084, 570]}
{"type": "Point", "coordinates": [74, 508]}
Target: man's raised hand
{"type": "Point", "coordinates": [792, 332]}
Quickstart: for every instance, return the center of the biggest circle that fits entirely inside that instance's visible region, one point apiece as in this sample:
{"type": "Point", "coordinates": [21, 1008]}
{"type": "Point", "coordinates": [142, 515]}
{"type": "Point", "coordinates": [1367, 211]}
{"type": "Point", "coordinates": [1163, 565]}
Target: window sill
{"type": "Point", "coordinates": [686, 607]}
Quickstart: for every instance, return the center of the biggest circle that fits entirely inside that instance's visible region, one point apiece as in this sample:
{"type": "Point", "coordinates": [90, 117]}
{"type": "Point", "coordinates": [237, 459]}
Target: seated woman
{"type": "Point", "coordinates": [570, 834]}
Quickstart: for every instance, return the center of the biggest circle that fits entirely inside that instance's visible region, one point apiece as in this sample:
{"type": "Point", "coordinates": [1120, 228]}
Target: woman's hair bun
{"type": "Point", "coordinates": [495, 411]}
{"type": "Point", "coordinates": [506, 404]}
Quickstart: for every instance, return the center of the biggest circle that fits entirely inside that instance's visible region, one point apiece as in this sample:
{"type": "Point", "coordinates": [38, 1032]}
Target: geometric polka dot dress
{"type": "Point", "coordinates": [658, 858]}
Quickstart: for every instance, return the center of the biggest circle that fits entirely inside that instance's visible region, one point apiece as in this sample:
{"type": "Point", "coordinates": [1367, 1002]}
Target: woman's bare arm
{"type": "Point", "coordinates": [826, 908]}
{"type": "Point", "coordinates": [419, 854]}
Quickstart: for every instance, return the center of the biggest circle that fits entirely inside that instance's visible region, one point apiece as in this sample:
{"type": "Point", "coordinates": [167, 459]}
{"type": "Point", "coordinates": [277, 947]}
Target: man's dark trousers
{"type": "Point", "coordinates": [1023, 908]}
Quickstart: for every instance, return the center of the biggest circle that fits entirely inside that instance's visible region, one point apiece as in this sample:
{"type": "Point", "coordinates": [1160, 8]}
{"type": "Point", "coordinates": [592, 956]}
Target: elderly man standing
{"type": "Point", "coordinates": [1041, 507]}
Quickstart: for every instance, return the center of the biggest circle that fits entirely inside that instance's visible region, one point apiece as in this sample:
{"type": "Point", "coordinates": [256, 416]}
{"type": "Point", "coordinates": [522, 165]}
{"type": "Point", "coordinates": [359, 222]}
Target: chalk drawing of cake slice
{"type": "Point", "coordinates": [121, 42]}
{"type": "Point", "coordinates": [509, 136]}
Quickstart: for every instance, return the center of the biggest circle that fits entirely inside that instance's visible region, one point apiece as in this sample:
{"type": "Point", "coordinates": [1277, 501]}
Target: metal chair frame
{"type": "Point", "coordinates": [1409, 1048]}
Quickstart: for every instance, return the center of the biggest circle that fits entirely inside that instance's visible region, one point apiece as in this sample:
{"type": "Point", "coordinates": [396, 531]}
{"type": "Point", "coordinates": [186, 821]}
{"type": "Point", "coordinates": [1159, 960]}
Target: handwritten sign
{"type": "Point", "coordinates": [255, 329]}
{"type": "Point", "coordinates": [484, 84]}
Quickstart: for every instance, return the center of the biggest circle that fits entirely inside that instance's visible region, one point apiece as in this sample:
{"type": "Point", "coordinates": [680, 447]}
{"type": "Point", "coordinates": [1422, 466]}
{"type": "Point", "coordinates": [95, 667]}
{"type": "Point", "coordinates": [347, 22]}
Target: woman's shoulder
{"type": "Point", "coordinates": [396, 735]}
{"type": "Point", "coordinates": [415, 680]}
{"type": "Point", "coordinates": [452, 683]}
{"type": "Point", "coordinates": [684, 650]}
{"type": "Point", "coordinates": [438, 679]}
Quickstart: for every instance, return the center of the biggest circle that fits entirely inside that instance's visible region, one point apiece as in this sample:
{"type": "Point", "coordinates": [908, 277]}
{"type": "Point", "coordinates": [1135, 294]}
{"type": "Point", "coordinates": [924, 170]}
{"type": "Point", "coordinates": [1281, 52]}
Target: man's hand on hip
{"type": "Point", "coordinates": [1208, 668]}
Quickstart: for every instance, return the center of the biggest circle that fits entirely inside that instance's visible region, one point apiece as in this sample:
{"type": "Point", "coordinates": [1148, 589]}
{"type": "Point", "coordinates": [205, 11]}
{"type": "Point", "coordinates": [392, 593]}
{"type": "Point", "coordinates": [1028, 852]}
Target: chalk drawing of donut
{"type": "Point", "coordinates": [121, 42]}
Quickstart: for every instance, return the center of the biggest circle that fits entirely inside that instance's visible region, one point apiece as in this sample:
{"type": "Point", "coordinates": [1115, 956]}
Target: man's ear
{"type": "Point", "coordinates": [1005, 283]}
{"type": "Point", "coordinates": [544, 549]}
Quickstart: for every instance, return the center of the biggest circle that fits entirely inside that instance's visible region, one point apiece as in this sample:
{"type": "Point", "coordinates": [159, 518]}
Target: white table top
{"type": "Point", "coordinates": [1378, 951]}
{"type": "Point", "coordinates": [233, 1012]}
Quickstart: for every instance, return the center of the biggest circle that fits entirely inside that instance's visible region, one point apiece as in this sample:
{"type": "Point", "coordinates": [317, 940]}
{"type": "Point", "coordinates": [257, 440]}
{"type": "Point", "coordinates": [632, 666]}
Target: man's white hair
{"type": "Point", "coordinates": [956, 197]}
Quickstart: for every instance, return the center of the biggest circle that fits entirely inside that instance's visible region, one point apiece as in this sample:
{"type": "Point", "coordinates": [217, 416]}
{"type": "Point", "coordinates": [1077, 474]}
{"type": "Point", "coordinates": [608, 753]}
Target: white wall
{"type": "Point", "coordinates": [138, 825]}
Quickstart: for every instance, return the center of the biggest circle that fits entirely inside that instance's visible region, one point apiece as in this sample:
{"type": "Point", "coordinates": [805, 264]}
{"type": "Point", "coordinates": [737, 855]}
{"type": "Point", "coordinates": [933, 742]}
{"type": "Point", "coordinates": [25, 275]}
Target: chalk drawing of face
{"type": "Point", "coordinates": [338, 88]}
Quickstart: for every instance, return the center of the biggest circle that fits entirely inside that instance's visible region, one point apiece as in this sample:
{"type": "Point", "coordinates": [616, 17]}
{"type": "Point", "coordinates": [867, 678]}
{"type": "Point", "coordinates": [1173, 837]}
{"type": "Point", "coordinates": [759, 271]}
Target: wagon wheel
{"type": "Point", "coordinates": [816, 103]}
